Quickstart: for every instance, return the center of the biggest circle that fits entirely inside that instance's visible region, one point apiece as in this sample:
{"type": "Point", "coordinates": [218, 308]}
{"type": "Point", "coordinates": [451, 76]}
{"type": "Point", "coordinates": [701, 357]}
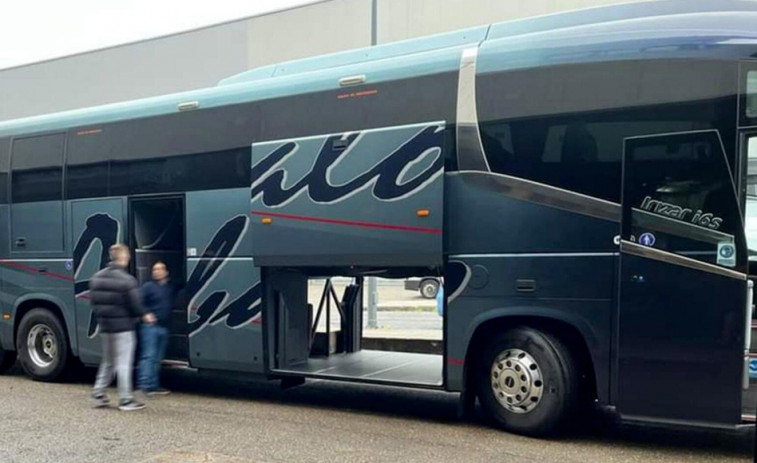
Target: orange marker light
{"type": "Point", "coordinates": [266, 220]}
{"type": "Point", "coordinates": [6, 316]}
{"type": "Point", "coordinates": [423, 213]}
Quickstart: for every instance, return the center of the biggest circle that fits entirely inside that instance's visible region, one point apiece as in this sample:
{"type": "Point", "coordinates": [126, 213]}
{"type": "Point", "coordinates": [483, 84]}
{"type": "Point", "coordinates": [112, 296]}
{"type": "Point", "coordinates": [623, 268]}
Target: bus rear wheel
{"type": "Point", "coordinates": [42, 346]}
{"type": "Point", "coordinates": [527, 381]}
{"type": "Point", "coordinates": [7, 360]}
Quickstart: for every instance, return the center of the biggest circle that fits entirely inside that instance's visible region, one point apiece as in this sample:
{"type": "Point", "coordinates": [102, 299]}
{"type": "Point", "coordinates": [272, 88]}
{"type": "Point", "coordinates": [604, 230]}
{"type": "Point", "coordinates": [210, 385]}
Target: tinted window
{"type": "Point", "coordinates": [203, 171]}
{"type": "Point", "coordinates": [679, 191]}
{"type": "Point", "coordinates": [87, 164]}
{"type": "Point", "coordinates": [751, 94]}
{"type": "Point", "coordinates": [578, 154]}
{"type": "Point", "coordinates": [37, 168]}
{"type": "Point", "coordinates": [4, 168]}
{"type": "Point", "coordinates": [565, 125]}
{"type": "Point", "coordinates": [180, 152]}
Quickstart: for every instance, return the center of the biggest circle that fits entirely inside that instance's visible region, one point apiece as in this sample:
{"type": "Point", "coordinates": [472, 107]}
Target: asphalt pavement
{"type": "Point", "coordinates": [210, 419]}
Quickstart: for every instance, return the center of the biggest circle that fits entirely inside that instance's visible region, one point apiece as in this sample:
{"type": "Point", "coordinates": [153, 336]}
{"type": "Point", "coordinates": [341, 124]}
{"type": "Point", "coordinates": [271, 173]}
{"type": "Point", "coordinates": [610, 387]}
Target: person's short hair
{"type": "Point", "coordinates": [118, 250]}
{"type": "Point", "coordinates": [159, 262]}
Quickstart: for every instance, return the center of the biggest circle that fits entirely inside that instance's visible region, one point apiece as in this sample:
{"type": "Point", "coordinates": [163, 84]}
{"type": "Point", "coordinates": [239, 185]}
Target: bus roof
{"type": "Point", "coordinates": [647, 30]}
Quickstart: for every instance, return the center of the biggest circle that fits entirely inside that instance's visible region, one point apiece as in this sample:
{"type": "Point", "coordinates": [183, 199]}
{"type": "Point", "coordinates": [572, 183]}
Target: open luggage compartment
{"type": "Point", "coordinates": [299, 349]}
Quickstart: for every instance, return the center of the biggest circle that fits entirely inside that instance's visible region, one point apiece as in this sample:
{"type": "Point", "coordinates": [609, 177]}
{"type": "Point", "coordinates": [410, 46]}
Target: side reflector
{"type": "Point", "coordinates": [6, 316]}
{"type": "Point", "coordinates": [423, 213]}
{"type": "Point", "coordinates": [266, 220]}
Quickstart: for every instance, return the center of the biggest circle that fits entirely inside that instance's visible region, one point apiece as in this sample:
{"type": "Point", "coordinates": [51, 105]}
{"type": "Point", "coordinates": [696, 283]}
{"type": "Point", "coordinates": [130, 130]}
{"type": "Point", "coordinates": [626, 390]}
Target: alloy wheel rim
{"type": "Point", "coordinates": [42, 345]}
{"type": "Point", "coordinates": [516, 381]}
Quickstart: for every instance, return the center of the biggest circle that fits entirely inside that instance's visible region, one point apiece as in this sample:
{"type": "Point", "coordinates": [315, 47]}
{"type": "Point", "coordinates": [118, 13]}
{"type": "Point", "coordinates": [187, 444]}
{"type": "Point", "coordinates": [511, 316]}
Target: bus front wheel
{"type": "Point", "coordinates": [527, 381]}
{"type": "Point", "coordinates": [42, 346]}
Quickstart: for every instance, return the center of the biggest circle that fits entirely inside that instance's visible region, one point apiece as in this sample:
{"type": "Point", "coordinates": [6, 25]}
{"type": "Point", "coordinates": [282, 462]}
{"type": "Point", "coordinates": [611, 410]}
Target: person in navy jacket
{"type": "Point", "coordinates": [158, 299]}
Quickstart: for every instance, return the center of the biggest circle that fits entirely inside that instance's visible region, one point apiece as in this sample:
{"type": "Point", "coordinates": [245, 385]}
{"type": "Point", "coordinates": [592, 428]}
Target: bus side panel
{"type": "Point", "coordinates": [6, 303]}
{"type": "Point", "coordinates": [223, 285]}
{"type": "Point", "coordinates": [39, 279]}
{"type": "Point", "coordinates": [567, 258]}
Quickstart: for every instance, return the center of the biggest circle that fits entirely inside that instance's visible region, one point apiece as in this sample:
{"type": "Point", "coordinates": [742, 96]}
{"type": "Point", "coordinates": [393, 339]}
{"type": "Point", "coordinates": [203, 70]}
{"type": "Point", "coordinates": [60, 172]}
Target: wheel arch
{"type": "Point", "coordinates": [578, 336]}
{"type": "Point", "coordinates": [32, 301]}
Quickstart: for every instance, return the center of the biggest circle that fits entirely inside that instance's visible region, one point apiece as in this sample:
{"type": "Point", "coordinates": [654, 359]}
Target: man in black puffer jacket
{"type": "Point", "coordinates": [116, 304]}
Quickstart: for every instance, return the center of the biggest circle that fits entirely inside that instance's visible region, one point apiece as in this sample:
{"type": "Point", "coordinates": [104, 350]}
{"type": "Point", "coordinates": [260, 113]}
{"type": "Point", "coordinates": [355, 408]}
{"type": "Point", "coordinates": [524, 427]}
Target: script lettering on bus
{"type": "Point", "coordinates": [212, 310]}
{"type": "Point", "coordinates": [387, 177]}
{"type": "Point", "coordinates": [236, 313]}
{"type": "Point", "coordinates": [698, 217]}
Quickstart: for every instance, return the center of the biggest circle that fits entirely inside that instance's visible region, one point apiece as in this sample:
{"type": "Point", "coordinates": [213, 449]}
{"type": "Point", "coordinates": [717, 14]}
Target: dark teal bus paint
{"type": "Point", "coordinates": [283, 174]}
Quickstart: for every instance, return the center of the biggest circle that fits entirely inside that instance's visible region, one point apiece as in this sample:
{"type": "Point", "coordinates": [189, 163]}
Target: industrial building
{"type": "Point", "coordinates": [201, 57]}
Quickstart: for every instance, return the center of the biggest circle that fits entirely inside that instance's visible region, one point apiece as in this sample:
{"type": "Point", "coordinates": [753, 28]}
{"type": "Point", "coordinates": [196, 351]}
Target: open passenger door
{"type": "Point", "coordinates": [683, 287]}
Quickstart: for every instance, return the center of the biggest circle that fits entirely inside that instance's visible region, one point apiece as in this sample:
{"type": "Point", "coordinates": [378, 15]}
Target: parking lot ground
{"type": "Point", "coordinates": [211, 419]}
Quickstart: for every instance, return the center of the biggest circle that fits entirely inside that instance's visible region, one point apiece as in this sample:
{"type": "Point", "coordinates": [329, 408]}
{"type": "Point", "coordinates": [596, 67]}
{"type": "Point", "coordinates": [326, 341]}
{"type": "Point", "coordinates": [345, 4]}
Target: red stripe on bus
{"type": "Point", "coordinates": [35, 270]}
{"type": "Point", "coordinates": [351, 223]}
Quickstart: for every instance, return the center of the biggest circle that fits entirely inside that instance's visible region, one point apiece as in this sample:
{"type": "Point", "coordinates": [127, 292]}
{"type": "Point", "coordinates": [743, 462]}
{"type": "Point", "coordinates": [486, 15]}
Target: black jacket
{"type": "Point", "coordinates": [115, 300]}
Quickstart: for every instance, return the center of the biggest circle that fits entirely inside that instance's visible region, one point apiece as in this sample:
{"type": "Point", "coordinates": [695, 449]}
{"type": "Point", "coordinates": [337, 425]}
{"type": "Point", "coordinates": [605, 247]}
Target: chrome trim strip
{"type": "Point", "coordinates": [675, 259]}
{"type": "Point", "coordinates": [533, 254]}
{"type": "Point", "coordinates": [470, 149]}
{"type": "Point", "coordinates": [463, 284]}
{"type": "Point", "coordinates": [642, 218]}
{"type": "Point", "coordinates": [748, 334]}
{"type": "Point", "coordinates": [547, 195]}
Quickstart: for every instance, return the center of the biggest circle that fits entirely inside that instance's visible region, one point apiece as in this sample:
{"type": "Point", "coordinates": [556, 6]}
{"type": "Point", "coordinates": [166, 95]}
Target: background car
{"type": "Point", "coordinates": [427, 286]}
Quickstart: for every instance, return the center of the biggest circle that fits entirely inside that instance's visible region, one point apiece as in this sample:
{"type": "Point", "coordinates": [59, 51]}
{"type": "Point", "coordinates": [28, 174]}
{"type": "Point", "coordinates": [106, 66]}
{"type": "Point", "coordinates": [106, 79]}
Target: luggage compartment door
{"type": "Point", "coordinates": [372, 198]}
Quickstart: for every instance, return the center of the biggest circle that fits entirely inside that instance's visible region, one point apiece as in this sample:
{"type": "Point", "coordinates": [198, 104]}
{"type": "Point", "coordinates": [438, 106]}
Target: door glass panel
{"type": "Point", "coordinates": [751, 94]}
{"type": "Point", "coordinates": [680, 198]}
{"type": "Point", "coordinates": [751, 198]}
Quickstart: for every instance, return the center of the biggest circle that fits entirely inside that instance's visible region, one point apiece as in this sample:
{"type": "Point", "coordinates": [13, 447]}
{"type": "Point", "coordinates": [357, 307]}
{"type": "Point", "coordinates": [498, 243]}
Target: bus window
{"type": "Point", "coordinates": [751, 94]}
{"type": "Point", "coordinates": [37, 193]}
{"type": "Point", "coordinates": [751, 198]}
{"type": "Point", "coordinates": [4, 167]}
{"type": "Point", "coordinates": [682, 197]}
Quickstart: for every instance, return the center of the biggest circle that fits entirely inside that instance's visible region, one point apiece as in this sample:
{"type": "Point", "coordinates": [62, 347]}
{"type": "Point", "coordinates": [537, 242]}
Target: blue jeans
{"type": "Point", "coordinates": [153, 339]}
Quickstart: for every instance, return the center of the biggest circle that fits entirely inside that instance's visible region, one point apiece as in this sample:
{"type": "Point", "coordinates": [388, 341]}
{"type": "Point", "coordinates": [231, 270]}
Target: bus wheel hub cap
{"type": "Point", "coordinates": [516, 381]}
{"type": "Point", "coordinates": [42, 345]}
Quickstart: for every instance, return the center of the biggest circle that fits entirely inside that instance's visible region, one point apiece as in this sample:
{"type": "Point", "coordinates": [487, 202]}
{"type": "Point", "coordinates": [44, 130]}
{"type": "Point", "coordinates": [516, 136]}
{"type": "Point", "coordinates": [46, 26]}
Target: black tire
{"type": "Point", "coordinates": [428, 288]}
{"type": "Point", "coordinates": [7, 360]}
{"type": "Point", "coordinates": [552, 386]}
{"type": "Point", "coordinates": [50, 356]}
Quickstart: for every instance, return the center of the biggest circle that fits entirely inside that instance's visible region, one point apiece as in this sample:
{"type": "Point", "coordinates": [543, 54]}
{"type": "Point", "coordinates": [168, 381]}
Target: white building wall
{"type": "Point", "coordinates": [172, 64]}
{"type": "Point", "coordinates": [308, 31]}
{"type": "Point", "coordinates": [406, 19]}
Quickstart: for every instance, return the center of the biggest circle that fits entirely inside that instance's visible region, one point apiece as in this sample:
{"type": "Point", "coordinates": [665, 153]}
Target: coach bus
{"type": "Point", "coordinates": [579, 181]}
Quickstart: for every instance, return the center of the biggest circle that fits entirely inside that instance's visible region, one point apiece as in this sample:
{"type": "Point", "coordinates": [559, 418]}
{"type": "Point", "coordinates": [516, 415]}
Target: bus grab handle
{"type": "Point", "coordinates": [748, 334]}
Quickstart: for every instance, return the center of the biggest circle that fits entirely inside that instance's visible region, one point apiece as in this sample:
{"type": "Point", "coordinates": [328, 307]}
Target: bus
{"type": "Point", "coordinates": [579, 182]}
